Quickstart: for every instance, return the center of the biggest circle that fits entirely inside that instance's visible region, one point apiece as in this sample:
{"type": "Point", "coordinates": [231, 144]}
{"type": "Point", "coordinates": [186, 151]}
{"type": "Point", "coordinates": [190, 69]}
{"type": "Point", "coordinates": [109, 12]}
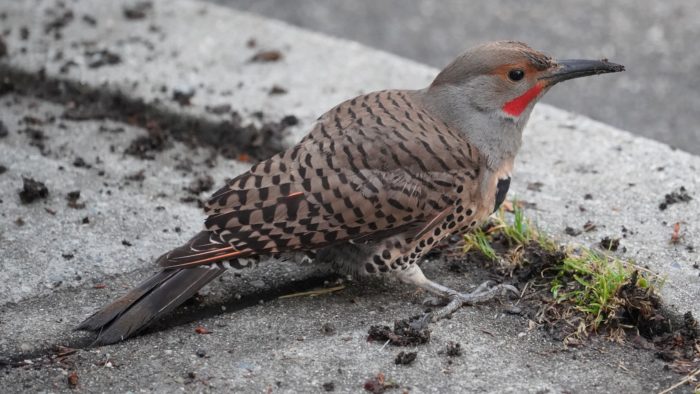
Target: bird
{"type": "Point", "coordinates": [378, 182]}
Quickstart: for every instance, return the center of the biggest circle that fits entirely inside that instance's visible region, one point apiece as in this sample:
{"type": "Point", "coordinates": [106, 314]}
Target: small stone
{"type": "Point", "coordinates": [257, 284]}
{"type": "Point", "coordinates": [513, 310]}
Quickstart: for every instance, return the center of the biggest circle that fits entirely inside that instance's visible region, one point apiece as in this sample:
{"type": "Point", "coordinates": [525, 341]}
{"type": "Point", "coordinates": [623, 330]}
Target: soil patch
{"type": "Point", "coordinates": [229, 136]}
{"type": "Point", "coordinates": [406, 332]}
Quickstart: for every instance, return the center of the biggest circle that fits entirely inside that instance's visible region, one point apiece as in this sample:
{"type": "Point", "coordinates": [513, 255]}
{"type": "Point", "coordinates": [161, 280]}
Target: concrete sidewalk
{"type": "Point", "coordinates": [201, 70]}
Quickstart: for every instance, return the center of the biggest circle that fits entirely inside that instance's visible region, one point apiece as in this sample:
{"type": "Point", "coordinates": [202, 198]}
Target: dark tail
{"type": "Point", "coordinates": [150, 300]}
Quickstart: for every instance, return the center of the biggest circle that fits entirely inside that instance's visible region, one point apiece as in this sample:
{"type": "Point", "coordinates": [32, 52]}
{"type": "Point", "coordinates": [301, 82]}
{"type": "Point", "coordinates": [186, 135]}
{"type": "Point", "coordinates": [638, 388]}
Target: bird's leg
{"type": "Point", "coordinates": [484, 292]}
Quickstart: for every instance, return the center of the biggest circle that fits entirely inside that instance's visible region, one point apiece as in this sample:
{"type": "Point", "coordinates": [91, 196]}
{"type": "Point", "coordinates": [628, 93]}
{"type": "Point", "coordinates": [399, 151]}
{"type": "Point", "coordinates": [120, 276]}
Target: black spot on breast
{"type": "Point", "coordinates": [501, 191]}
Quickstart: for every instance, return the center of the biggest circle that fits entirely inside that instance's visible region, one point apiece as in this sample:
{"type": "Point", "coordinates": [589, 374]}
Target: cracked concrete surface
{"type": "Point", "coordinates": [279, 345]}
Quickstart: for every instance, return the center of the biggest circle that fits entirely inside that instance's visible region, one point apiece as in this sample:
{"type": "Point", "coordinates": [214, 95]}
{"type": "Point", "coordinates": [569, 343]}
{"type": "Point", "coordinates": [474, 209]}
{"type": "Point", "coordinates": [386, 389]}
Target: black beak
{"type": "Point", "coordinates": [575, 68]}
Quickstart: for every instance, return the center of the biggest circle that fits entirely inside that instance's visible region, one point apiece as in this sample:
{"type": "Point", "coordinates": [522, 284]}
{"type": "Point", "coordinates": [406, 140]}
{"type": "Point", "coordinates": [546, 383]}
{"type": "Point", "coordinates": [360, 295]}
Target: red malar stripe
{"type": "Point", "coordinates": [516, 106]}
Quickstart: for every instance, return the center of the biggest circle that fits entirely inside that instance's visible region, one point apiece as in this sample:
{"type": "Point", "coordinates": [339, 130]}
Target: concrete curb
{"type": "Point", "coordinates": [574, 169]}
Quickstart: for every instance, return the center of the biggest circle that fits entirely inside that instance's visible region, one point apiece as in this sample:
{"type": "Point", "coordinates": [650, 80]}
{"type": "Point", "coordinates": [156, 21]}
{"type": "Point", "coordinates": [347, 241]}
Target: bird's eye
{"type": "Point", "coordinates": [516, 75]}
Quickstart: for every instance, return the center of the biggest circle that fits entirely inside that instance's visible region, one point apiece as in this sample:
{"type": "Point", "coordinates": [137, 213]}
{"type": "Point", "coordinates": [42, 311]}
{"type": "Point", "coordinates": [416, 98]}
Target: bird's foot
{"type": "Point", "coordinates": [454, 300]}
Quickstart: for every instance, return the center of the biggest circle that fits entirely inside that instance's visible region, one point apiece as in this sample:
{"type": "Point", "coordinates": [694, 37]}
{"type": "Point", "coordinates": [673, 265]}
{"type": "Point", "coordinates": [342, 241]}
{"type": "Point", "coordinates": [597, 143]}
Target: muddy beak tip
{"type": "Point", "coordinates": [613, 67]}
{"type": "Point", "coordinates": [576, 68]}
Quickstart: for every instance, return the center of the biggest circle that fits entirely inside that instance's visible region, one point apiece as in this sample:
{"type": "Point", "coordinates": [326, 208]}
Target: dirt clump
{"type": "Point", "coordinates": [267, 56]}
{"type": "Point", "coordinates": [609, 243]}
{"type": "Point", "coordinates": [102, 57]}
{"type": "Point", "coordinates": [80, 163]}
{"type": "Point", "coordinates": [405, 358]}
{"type": "Point", "coordinates": [219, 109]}
{"type": "Point", "coordinates": [378, 384]}
{"type": "Point", "coordinates": [454, 349]}
{"type": "Point", "coordinates": [675, 197]}
{"type": "Point", "coordinates": [183, 96]}
{"type": "Point", "coordinates": [276, 90]}
{"type": "Point", "coordinates": [72, 199]}
{"type": "Point", "coordinates": [37, 139]}
{"type": "Point", "coordinates": [138, 10]}
{"type": "Point", "coordinates": [144, 147]}
{"type": "Point", "coordinates": [572, 231]}
{"type": "Point", "coordinates": [3, 48]}
{"type": "Point", "coordinates": [32, 190]}
{"type": "Point", "coordinates": [3, 130]}
{"type": "Point", "coordinates": [201, 184]}
{"type": "Point", "coordinates": [406, 332]}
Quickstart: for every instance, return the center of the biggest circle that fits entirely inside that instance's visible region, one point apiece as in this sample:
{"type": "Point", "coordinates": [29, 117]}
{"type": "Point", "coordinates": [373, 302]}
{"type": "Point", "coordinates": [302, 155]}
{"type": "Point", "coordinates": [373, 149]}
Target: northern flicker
{"type": "Point", "coordinates": [380, 180]}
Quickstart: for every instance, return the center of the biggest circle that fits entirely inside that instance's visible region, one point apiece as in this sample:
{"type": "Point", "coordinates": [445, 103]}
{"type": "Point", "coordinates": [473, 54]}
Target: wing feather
{"type": "Point", "coordinates": [369, 169]}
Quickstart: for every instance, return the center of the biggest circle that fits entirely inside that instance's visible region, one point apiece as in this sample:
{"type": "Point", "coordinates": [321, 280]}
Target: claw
{"type": "Point", "coordinates": [435, 301]}
{"type": "Point", "coordinates": [483, 287]}
{"type": "Point", "coordinates": [455, 300]}
{"type": "Point", "coordinates": [422, 322]}
{"type": "Point", "coordinates": [512, 289]}
{"type": "Point", "coordinates": [482, 293]}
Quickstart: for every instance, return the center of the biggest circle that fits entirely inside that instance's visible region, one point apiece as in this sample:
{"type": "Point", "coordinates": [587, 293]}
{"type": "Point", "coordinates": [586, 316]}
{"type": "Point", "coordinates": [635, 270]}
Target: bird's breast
{"type": "Point", "coordinates": [494, 188]}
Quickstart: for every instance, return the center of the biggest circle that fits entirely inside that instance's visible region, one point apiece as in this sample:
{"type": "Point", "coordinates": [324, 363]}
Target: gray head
{"type": "Point", "coordinates": [489, 91]}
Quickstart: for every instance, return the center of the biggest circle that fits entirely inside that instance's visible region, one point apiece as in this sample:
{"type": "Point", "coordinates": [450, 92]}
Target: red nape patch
{"type": "Point", "coordinates": [517, 105]}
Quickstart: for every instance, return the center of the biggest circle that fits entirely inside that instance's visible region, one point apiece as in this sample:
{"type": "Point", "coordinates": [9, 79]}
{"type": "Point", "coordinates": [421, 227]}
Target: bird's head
{"type": "Point", "coordinates": [510, 77]}
{"type": "Point", "coordinates": [493, 87]}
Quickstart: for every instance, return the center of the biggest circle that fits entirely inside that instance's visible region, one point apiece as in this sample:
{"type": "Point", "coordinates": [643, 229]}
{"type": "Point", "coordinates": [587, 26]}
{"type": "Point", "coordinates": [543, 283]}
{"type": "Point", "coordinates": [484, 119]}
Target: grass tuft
{"type": "Point", "coordinates": [595, 284]}
{"type": "Point", "coordinates": [592, 282]}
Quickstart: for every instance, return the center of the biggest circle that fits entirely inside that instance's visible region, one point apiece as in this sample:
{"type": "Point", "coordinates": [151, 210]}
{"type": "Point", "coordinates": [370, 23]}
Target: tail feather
{"type": "Point", "coordinates": [105, 315]}
{"type": "Point", "coordinates": [149, 301]}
